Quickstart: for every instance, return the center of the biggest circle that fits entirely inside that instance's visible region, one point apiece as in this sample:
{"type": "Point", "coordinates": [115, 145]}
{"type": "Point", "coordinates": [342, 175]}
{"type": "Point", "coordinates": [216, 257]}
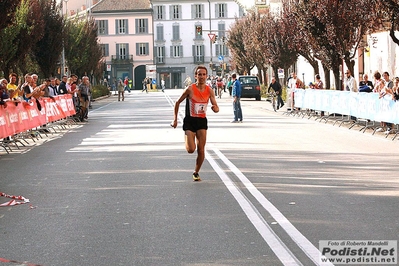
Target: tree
{"type": "Point", "coordinates": [239, 55]}
{"type": "Point", "coordinates": [82, 51]}
{"type": "Point", "coordinates": [47, 51]}
{"type": "Point", "coordinates": [335, 29]}
{"type": "Point", "coordinates": [297, 40]}
{"type": "Point", "coordinates": [8, 9]}
{"type": "Point", "coordinates": [21, 36]}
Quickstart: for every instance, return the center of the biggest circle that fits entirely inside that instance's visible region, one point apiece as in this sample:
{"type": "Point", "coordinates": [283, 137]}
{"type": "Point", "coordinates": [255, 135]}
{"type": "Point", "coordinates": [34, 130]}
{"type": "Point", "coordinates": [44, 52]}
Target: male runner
{"type": "Point", "coordinates": [195, 123]}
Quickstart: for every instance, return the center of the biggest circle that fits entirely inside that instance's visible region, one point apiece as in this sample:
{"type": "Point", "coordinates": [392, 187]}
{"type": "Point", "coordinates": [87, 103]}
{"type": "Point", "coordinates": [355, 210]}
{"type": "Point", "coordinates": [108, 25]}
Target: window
{"type": "Point", "coordinates": [142, 48]}
{"type": "Point", "coordinates": [105, 49]}
{"type": "Point", "coordinates": [176, 51]}
{"type": "Point", "coordinates": [198, 53]}
{"type": "Point", "coordinates": [102, 26]}
{"type": "Point", "coordinates": [221, 30]}
{"type": "Point", "coordinates": [221, 49]}
{"type": "Point", "coordinates": [121, 26]}
{"type": "Point", "coordinates": [175, 12]}
{"type": "Point", "coordinates": [142, 25]}
{"type": "Point", "coordinates": [122, 50]}
{"type": "Point", "coordinates": [159, 36]}
{"type": "Point", "coordinates": [159, 12]}
{"type": "Point", "coordinates": [197, 11]}
{"type": "Point", "coordinates": [176, 32]}
{"type": "Point", "coordinates": [160, 50]}
{"type": "Point", "coordinates": [221, 11]}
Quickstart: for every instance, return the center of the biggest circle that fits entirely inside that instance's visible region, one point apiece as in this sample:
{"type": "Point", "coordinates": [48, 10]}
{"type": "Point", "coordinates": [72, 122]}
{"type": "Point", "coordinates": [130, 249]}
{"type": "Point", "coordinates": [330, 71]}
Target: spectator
{"type": "Point", "coordinates": [350, 82]}
{"type": "Point", "coordinates": [293, 83]}
{"type": "Point", "coordinates": [46, 89]}
{"type": "Point", "coordinates": [126, 84]}
{"type": "Point", "coordinates": [62, 89]}
{"type": "Point", "coordinates": [187, 82]}
{"type": "Point", "coordinates": [379, 83]}
{"type": "Point", "coordinates": [163, 85]}
{"type": "Point", "coordinates": [395, 89]}
{"type": "Point", "coordinates": [3, 95]}
{"type": "Point", "coordinates": [318, 84]}
{"type": "Point", "coordinates": [236, 99]}
{"type": "Point", "coordinates": [220, 85]}
{"type": "Point", "coordinates": [229, 84]}
{"type": "Point", "coordinates": [275, 85]}
{"type": "Point", "coordinates": [83, 91]}
{"type": "Point", "coordinates": [366, 85]}
{"type": "Point", "coordinates": [52, 88]}
{"type": "Point", "coordinates": [14, 89]}
{"type": "Point", "coordinates": [121, 90]}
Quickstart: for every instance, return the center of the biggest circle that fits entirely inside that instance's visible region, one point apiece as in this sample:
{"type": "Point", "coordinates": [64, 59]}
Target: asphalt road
{"type": "Point", "coordinates": [117, 190]}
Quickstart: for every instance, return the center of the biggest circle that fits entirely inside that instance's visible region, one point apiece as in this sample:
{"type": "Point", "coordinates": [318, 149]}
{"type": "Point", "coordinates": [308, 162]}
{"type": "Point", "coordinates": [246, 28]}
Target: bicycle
{"type": "Point", "coordinates": [272, 98]}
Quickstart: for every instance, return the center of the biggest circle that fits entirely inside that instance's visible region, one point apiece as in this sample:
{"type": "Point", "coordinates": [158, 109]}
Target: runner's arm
{"type": "Point", "coordinates": [214, 107]}
{"type": "Point", "coordinates": [184, 95]}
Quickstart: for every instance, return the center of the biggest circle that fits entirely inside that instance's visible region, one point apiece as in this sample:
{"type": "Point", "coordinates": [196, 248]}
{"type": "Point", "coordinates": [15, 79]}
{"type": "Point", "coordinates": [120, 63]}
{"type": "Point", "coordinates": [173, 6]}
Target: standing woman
{"type": "Point", "coordinates": [121, 90]}
{"type": "Point", "coordinates": [318, 84]}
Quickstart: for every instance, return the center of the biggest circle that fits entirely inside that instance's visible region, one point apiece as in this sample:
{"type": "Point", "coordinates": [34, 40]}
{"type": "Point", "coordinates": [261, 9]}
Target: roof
{"type": "Point", "coordinates": [120, 5]}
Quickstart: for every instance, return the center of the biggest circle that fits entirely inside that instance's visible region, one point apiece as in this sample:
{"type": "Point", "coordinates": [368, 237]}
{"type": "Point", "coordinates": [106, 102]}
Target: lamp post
{"type": "Point", "coordinates": [63, 48]}
{"type": "Point", "coordinates": [210, 41]}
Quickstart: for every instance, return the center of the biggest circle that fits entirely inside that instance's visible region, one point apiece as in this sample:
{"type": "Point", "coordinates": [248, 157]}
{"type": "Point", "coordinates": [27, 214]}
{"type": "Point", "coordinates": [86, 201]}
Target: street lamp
{"type": "Point", "coordinates": [63, 48]}
{"type": "Point", "coordinates": [210, 31]}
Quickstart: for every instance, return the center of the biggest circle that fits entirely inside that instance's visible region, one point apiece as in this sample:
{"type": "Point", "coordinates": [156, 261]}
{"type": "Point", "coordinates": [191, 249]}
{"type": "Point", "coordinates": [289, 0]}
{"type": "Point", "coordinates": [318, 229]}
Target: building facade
{"type": "Point", "coordinates": [191, 33]}
{"type": "Point", "coordinates": [125, 33]}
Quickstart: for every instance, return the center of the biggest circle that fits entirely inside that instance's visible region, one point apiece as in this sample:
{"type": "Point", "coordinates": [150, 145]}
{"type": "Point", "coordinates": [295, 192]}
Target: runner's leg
{"type": "Point", "coordinates": [201, 141]}
{"type": "Point", "coordinates": [190, 141]}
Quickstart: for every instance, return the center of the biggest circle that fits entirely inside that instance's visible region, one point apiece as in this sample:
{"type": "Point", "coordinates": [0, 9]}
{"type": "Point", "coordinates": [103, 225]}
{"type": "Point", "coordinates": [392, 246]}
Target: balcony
{"type": "Point", "coordinates": [117, 59]}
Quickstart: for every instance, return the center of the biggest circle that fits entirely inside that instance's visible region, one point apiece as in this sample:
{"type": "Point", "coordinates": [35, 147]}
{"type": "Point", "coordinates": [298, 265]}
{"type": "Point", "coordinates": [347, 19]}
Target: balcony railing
{"type": "Point", "coordinates": [117, 59]}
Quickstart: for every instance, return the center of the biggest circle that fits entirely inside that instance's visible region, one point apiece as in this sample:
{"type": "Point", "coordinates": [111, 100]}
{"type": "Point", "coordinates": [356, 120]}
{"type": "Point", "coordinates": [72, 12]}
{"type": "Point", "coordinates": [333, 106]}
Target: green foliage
{"type": "Point", "coordinates": [82, 50]}
{"type": "Point", "coordinates": [99, 90]}
{"type": "Point", "coordinates": [48, 49]}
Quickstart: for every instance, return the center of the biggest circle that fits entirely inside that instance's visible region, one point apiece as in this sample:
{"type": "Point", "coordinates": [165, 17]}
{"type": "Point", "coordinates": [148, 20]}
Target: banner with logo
{"type": "Point", "coordinates": [17, 118]}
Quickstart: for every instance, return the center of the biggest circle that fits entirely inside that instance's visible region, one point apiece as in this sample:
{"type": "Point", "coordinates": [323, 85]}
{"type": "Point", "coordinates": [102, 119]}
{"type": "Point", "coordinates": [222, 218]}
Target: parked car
{"type": "Point", "coordinates": [250, 87]}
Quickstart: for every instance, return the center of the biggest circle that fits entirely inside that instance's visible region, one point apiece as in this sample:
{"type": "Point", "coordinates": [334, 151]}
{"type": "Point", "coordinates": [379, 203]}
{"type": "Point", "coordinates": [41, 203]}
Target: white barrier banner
{"type": "Point", "coordinates": [361, 105]}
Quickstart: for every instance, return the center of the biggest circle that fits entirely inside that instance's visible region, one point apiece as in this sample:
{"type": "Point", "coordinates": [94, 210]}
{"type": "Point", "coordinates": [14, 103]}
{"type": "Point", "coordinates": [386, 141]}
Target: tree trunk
{"type": "Point", "coordinates": [336, 71]}
{"type": "Point", "coordinates": [327, 77]}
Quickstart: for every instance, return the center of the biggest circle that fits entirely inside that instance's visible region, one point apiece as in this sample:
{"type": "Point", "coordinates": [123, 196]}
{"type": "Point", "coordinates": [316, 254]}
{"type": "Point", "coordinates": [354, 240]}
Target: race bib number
{"type": "Point", "coordinates": [200, 108]}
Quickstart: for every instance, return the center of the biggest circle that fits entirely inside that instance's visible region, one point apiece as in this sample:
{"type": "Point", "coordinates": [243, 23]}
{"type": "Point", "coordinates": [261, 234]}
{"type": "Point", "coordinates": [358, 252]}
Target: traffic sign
{"type": "Point", "coordinates": [221, 58]}
{"type": "Point", "coordinates": [211, 36]}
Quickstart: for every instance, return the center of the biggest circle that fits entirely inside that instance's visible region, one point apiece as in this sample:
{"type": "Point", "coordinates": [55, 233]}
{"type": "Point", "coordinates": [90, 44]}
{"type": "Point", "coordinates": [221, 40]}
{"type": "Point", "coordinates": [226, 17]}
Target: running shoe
{"type": "Point", "coordinates": [196, 177]}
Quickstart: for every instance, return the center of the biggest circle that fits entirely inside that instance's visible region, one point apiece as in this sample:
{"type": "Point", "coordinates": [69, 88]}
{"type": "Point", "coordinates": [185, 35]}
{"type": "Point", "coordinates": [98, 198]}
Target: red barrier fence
{"type": "Point", "coordinates": [19, 118]}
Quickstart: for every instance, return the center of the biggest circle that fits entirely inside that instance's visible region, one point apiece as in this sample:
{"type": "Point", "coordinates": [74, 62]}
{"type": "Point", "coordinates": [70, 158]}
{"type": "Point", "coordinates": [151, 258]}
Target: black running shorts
{"type": "Point", "coordinates": [195, 123]}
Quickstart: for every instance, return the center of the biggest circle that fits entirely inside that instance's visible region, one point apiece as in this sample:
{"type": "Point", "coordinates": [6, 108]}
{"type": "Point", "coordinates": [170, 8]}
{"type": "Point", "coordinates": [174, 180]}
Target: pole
{"type": "Point", "coordinates": [210, 31]}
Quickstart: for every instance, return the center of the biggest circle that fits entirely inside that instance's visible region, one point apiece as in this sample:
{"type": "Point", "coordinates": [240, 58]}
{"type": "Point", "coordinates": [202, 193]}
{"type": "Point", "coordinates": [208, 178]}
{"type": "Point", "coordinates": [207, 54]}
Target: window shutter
{"type": "Point", "coordinates": [171, 51]}
{"type": "Point", "coordinates": [171, 12]}
{"type": "Point", "coordinates": [126, 26]}
{"type": "Point", "coordinates": [147, 48]}
{"type": "Point", "coordinates": [106, 27]}
{"type": "Point", "coordinates": [216, 10]}
{"type": "Point", "coordinates": [137, 49]}
{"type": "Point", "coordinates": [116, 26]}
{"type": "Point", "coordinates": [117, 51]}
{"type": "Point", "coordinates": [146, 25]}
{"type": "Point", "coordinates": [195, 61]}
{"type": "Point", "coordinates": [107, 49]}
{"type": "Point", "coordinates": [181, 50]}
{"type": "Point", "coordinates": [137, 25]}
{"type": "Point", "coordinates": [217, 47]}
{"type": "Point", "coordinates": [225, 11]}
{"type": "Point", "coordinates": [192, 11]}
{"type": "Point", "coordinates": [127, 51]}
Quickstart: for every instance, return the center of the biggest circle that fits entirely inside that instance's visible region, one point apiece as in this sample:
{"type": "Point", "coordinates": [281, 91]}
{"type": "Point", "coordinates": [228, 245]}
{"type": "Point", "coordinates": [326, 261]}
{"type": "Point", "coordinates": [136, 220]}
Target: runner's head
{"type": "Point", "coordinates": [201, 73]}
